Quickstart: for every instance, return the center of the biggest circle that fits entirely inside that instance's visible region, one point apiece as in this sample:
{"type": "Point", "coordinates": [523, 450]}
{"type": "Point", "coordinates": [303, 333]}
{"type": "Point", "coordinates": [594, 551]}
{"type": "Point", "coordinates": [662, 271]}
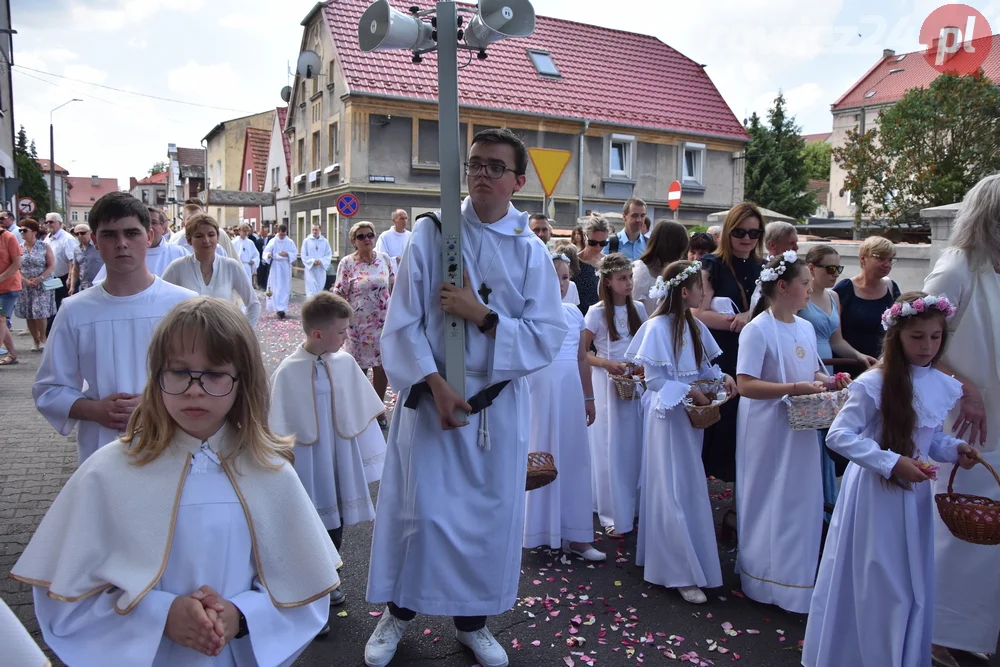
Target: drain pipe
{"type": "Point", "coordinates": [579, 171]}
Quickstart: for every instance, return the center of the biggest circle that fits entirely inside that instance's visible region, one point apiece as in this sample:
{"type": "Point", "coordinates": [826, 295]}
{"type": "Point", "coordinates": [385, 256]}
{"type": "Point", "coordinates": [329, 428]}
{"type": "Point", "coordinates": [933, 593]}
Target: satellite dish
{"type": "Point", "coordinates": [500, 19]}
{"type": "Point", "coordinates": [286, 94]}
{"type": "Point", "coordinates": [382, 28]}
{"type": "Point", "coordinates": [308, 65]}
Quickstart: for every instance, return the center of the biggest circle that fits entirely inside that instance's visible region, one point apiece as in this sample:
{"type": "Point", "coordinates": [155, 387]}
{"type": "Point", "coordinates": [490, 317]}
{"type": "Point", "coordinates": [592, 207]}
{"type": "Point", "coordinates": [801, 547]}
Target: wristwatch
{"type": "Point", "coordinates": [244, 629]}
{"type": "Point", "coordinates": [489, 322]}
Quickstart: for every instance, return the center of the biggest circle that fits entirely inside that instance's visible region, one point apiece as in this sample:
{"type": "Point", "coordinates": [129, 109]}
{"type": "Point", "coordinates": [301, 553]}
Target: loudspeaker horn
{"type": "Point", "coordinates": [500, 19]}
{"type": "Point", "coordinates": [382, 28]}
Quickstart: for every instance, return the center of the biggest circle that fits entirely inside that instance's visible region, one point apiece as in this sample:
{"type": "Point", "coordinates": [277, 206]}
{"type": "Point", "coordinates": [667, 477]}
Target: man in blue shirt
{"type": "Point", "coordinates": [630, 241]}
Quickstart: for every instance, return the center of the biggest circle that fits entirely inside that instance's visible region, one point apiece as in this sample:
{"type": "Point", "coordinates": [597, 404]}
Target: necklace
{"type": "Point", "coordinates": [484, 289]}
{"type": "Point", "coordinates": [800, 351]}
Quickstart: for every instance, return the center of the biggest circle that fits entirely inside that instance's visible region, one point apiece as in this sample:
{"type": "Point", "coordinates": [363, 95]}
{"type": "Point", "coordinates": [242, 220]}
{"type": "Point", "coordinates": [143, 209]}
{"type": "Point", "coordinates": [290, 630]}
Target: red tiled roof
{"type": "Point", "coordinates": [816, 138]}
{"type": "Point", "coordinates": [191, 157]}
{"type": "Point", "coordinates": [258, 143]}
{"type": "Point", "coordinates": [597, 65]}
{"type": "Point", "coordinates": [83, 192]}
{"type": "Point", "coordinates": [818, 187]}
{"type": "Point", "coordinates": [916, 73]}
{"type": "Point", "coordinates": [43, 164]}
{"type": "Point", "coordinates": [155, 179]}
{"type": "Point", "coordinates": [286, 142]}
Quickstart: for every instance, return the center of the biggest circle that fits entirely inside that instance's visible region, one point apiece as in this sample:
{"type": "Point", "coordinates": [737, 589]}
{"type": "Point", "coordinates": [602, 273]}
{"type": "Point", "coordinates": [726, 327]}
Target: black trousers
{"type": "Point", "coordinates": [462, 623]}
{"type": "Point", "coordinates": [61, 293]}
{"type": "Point", "coordinates": [337, 535]}
{"type": "Point", "coordinates": [330, 280]}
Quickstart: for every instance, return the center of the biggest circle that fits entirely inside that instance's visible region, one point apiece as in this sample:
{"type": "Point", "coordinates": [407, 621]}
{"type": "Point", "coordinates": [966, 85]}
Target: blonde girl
{"type": "Point", "coordinates": [874, 597]}
{"type": "Point", "coordinates": [560, 515]}
{"type": "Point", "coordinates": [779, 487]}
{"type": "Point", "coordinates": [192, 531]}
{"type": "Point", "coordinates": [676, 542]}
{"type": "Point", "coordinates": [616, 435]}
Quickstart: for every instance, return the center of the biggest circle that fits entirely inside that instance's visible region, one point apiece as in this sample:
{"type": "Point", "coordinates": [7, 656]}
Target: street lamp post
{"type": "Point", "coordinates": [52, 155]}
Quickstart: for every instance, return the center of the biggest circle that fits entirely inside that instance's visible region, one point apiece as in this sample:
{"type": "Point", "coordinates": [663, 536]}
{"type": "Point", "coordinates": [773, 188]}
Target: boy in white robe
{"type": "Point", "coordinates": [247, 253]}
{"type": "Point", "coordinates": [316, 258]}
{"type": "Point", "coordinates": [339, 448]}
{"type": "Point", "coordinates": [160, 252]}
{"type": "Point", "coordinates": [279, 253]}
{"type": "Point", "coordinates": [451, 501]}
{"type": "Point", "coordinates": [95, 367]}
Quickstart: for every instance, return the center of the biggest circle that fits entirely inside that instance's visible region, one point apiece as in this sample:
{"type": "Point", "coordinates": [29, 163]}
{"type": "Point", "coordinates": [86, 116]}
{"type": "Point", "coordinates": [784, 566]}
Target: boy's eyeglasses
{"type": "Point", "coordinates": [741, 233]}
{"type": "Point", "coordinates": [493, 171]}
{"type": "Point", "coordinates": [832, 269]}
{"type": "Point", "coordinates": [592, 242]}
{"type": "Point", "coordinates": [213, 383]}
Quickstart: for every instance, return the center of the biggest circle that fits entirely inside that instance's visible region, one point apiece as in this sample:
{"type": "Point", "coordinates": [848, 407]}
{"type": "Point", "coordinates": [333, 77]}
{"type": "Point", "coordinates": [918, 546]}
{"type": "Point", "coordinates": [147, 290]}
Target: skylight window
{"type": "Point", "coordinates": [870, 94]}
{"type": "Point", "coordinates": [900, 59]}
{"type": "Point", "coordinates": [544, 63]}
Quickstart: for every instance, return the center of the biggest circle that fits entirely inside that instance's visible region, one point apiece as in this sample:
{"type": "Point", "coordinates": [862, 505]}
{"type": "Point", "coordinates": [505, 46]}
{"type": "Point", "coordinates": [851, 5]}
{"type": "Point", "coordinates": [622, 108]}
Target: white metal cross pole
{"type": "Point", "coordinates": [450, 159]}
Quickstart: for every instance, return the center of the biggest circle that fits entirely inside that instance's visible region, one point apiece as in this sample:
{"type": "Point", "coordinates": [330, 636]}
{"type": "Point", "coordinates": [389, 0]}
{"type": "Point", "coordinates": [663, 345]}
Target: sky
{"type": "Point", "coordinates": [211, 60]}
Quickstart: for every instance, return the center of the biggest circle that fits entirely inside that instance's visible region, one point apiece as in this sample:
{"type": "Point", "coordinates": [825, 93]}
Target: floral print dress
{"type": "Point", "coordinates": [366, 287]}
{"type": "Point", "coordinates": [35, 303]}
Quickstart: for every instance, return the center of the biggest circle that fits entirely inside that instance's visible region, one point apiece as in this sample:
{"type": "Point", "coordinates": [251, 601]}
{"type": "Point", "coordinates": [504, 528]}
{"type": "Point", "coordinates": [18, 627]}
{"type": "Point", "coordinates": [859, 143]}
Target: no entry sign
{"type": "Point", "coordinates": [347, 205]}
{"type": "Point", "coordinates": [674, 196]}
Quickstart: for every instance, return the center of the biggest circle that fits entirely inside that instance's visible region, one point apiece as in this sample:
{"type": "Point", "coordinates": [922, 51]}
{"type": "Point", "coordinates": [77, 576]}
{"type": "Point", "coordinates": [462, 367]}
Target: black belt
{"type": "Point", "coordinates": [479, 402]}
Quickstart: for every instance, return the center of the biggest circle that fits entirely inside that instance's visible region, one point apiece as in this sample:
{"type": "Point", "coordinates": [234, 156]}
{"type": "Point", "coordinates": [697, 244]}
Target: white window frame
{"type": "Point", "coordinates": [627, 142]}
{"type": "Point", "coordinates": [698, 177]}
{"type": "Point", "coordinates": [249, 180]}
{"type": "Point", "coordinates": [73, 216]}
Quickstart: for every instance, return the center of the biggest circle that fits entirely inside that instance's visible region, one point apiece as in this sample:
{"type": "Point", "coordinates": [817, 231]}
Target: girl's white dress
{"type": "Point", "coordinates": [676, 542]}
{"type": "Point", "coordinates": [779, 484]}
{"type": "Point", "coordinates": [874, 600]}
{"type": "Point", "coordinates": [563, 510]}
{"type": "Point", "coordinates": [616, 434]}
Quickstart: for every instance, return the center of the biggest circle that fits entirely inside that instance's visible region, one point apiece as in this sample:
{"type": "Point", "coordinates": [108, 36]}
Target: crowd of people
{"type": "Point", "coordinates": [598, 350]}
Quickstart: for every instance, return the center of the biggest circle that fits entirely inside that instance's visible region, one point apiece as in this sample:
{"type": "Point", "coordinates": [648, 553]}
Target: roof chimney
{"type": "Point", "coordinates": [95, 180]}
{"type": "Point", "coordinates": [888, 53]}
{"type": "Point", "coordinates": [132, 182]}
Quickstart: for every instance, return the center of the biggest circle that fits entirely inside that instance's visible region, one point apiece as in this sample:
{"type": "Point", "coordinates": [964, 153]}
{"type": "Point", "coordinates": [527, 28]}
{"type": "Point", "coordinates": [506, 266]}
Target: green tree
{"type": "Point", "coordinates": [158, 168]}
{"type": "Point", "coordinates": [816, 156]}
{"type": "Point", "coordinates": [32, 182]}
{"type": "Point", "coordinates": [926, 150]}
{"type": "Point", "coordinates": [776, 176]}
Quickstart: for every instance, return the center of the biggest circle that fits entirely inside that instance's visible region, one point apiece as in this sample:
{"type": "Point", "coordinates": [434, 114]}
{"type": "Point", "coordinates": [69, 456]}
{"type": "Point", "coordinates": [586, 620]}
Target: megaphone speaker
{"type": "Point", "coordinates": [500, 19]}
{"type": "Point", "coordinates": [382, 28]}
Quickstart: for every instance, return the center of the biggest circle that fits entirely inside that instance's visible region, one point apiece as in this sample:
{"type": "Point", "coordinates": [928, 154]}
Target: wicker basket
{"type": "Point", "coordinates": [970, 518]}
{"type": "Point", "coordinates": [541, 470]}
{"type": "Point", "coordinates": [702, 417]}
{"type": "Point", "coordinates": [627, 385]}
{"type": "Point", "coordinates": [815, 411]}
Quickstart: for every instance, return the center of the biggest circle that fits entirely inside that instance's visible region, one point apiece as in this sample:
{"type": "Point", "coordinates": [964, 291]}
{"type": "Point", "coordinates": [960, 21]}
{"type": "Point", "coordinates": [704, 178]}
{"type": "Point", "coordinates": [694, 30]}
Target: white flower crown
{"type": "Point", "coordinates": [769, 275]}
{"type": "Point", "coordinates": [561, 257]}
{"type": "Point", "coordinates": [898, 311]}
{"type": "Point", "coordinates": [662, 287]}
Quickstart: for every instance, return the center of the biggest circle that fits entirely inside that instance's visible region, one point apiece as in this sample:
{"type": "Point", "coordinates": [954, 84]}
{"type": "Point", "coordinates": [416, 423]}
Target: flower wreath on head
{"type": "Point", "coordinates": [898, 311]}
{"type": "Point", "coordinates": [663, 287]}
{"type": "Point", "coordinates": [561, 257]}
{"type": "Point", "coordinates": [612, 264]}
{"type": "Point", "coordinates": [768, 275]}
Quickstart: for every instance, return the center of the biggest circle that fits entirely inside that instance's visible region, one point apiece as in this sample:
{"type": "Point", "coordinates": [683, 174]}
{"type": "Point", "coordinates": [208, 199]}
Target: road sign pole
{"type": "Point", "coordinates": [451, 189]}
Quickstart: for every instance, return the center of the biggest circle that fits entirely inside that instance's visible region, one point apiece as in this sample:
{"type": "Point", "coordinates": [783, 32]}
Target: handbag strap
{"type": "Point", "coordinates": [743, 292]}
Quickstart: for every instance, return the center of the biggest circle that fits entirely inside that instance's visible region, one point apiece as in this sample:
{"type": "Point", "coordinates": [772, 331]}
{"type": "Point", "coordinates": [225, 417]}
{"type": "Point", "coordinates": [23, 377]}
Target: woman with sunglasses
{"type": "Point", "coordinates": [867, 295]}
{"type": "Point", "coordinates": [36, 304]}
{"type": "Point", "coordinates": [595, 230]}
{"type": "Point", "coordinates": [730, 272]}
{"type": "Point", "coordinates": [365, 278]}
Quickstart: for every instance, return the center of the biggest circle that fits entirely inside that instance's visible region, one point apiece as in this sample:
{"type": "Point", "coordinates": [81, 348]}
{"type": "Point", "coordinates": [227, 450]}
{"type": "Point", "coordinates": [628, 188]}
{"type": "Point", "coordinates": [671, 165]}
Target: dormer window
{"type": "Point", "coordinates": [544, 64]}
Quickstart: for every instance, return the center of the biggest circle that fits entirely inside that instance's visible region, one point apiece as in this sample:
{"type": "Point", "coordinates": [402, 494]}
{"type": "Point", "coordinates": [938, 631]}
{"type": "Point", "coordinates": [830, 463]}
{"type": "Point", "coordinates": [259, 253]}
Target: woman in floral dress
{"type": "Point", "coordinates": [365, 279]}
{"type": "Point", "coordinates": [36, 304]}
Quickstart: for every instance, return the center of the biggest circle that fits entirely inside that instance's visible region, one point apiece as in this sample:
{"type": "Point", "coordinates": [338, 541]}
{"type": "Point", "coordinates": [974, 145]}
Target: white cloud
{"type": "Point", "coordinates": [138, 43]}
{"type": "Point", "coordinates": [85, 73]}
{"type": "Point", "coordinates": [196, 82]}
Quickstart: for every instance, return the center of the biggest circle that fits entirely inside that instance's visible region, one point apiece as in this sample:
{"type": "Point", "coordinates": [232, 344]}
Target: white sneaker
{"type": "Point", "coordinates": [591, 554]}
{"type": "Point", "coordinates": [382, 644]}
{"type": "Point", "coordinates": [488, 651]}
{"type": "Point", "coordinates": [692, 594]}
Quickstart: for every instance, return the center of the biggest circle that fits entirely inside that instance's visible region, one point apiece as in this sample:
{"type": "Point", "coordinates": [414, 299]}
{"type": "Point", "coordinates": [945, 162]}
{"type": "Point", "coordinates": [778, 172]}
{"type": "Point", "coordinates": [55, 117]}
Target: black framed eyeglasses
{"type": "Point", "coordinates": [592, 242]}
{"type": "Point", "coordinates": [492, 170]}
{"type": "Point", "coordinates": [740, 233]}
{"type": "Point", "coordinates": [213, 383]}
{"type": "Point", "coordinates": [832, 269]}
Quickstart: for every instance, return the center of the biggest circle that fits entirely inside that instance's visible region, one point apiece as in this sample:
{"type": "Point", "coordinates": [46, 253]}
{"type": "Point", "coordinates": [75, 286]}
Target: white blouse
{"type": "Point", "coordinates": [227, 276]}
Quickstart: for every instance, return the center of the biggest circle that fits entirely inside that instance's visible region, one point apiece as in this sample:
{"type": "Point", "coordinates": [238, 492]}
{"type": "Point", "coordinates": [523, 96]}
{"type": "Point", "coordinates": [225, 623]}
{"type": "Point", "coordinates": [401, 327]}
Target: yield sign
{"type": "Point", "coordinates": [549, 165]}
{"type": "Point", "coordinates": [674, 196]}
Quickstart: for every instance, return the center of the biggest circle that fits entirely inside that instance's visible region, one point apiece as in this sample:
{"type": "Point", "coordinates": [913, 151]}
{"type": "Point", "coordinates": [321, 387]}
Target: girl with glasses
{"type": "Point", "coordinates": [218, 550]}
{"type": "Point", "coordinates": [365, 278]}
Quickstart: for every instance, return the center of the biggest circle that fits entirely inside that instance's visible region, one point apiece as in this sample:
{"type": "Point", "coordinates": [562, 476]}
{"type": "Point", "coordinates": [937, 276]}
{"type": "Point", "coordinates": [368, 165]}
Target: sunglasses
{"type": "Point", "coordinates": [832, 269]}
{"type": "Point", "coordinates": [592, 242]}
{"type": "Point", "coordinates": [362, 237]}
{"type": "Point", "coordinates": [80, 233]}
{"type": "Point", "coordinates": [740, 233]}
